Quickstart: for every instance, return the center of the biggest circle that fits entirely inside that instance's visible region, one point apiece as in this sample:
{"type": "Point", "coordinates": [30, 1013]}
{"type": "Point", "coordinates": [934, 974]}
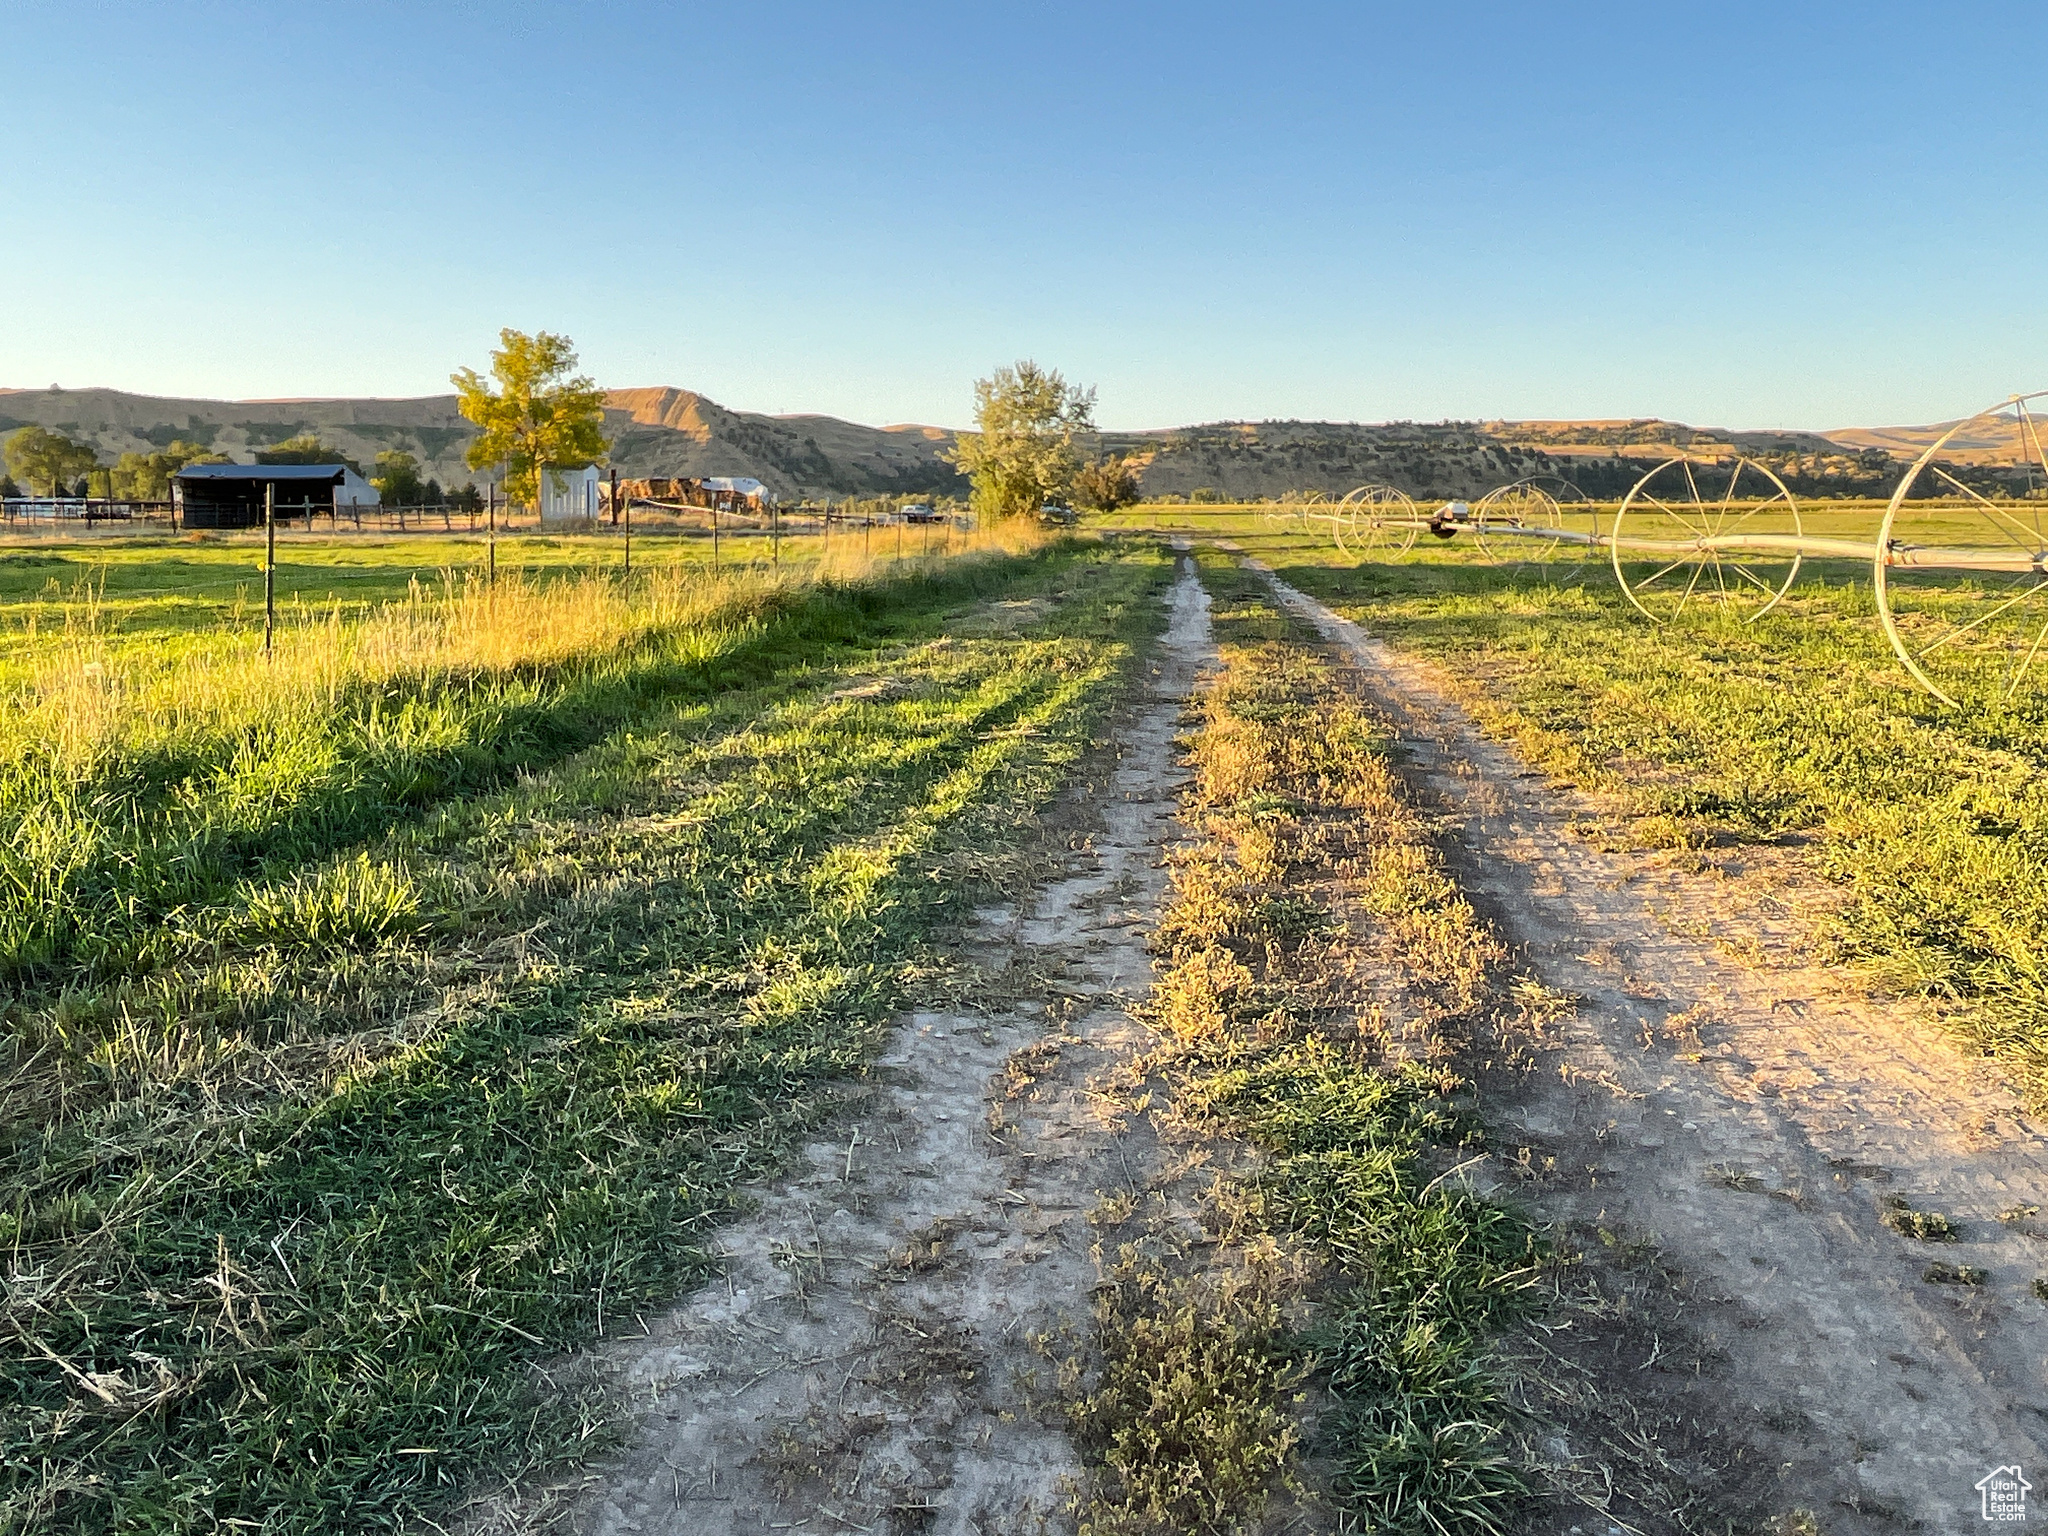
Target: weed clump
{"type": "Point", "coordinates": [1190, 1414]}
{"type": "Point", "coordinates": [1955, 1274]}
{"type": "Point", "coordinates": [1922, 1226]}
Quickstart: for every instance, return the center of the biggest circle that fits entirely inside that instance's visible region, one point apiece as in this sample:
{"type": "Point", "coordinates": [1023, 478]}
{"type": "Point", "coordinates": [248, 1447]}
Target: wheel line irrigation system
{"type": "Point", "coordinates": [1975, 623]}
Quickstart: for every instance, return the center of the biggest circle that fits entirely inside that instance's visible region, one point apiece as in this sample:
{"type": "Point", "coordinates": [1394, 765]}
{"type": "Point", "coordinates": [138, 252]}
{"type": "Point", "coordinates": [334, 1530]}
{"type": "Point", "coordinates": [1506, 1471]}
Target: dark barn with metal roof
{"type": "Point", "coordinates": [231, 495]}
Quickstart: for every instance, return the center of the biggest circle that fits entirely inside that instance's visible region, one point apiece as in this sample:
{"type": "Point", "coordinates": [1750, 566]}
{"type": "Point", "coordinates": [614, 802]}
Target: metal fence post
{"type": "Point", "coordinates": [269, 563]}
{"type": "Point", "coordinates": [627, 513]}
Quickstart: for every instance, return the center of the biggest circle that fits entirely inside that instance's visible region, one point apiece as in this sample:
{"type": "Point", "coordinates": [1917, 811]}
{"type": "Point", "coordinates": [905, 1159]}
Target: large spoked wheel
{"type": "Point", "coordinates": [1376, 522]}
{"type": "Point", "coordinates": [1518, 526]}
{"type": "Point", "coordinates": [1961, 573]}
{"type": "Point", "coordinates": [1300, 515]}
{"type": "Point", "coordinates": [1682, 540]}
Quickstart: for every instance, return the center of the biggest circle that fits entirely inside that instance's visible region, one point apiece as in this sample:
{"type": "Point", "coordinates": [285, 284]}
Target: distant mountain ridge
{"type": "Point", "coordinates": [654, 431]}
{"type": "Point", "coordinates": [669, 431]}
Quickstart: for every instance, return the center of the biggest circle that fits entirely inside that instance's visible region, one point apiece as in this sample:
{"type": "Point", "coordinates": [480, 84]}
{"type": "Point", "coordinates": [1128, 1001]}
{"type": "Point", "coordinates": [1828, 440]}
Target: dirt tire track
{"type": "Point", "coordinates": [869, 1360]}
{"type": "Point", "coordinates": [1755, 1122]}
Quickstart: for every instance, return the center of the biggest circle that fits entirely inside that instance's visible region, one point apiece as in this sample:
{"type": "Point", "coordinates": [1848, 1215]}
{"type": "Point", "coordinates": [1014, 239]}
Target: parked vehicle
{"type": "Point", "coordinates": [919, 512]}
{"type": "Point", "coordinates": [1059, 514]}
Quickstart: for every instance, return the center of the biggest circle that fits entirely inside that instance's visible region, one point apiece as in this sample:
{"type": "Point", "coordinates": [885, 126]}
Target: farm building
{"type": "Point", "coordinates": [569, 493]}
{"type": "Point", "coordinates": [231, 495]}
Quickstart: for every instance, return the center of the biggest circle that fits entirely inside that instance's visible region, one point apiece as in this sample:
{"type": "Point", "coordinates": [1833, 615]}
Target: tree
{"type": "Point", "coordinates": [147, 476]}
{"type": "Point", "coordinates": [1106, 485]}
{"type": "Point", "coordinates": [39, 455]}
{"type": "Point", "coordinates": [1023, 454]}
{"type": "Point", "coordinates": [397, 478]}
{"type": "Point", "coordinates": [306, 448]}
{"type": "Point", "coordinates": [541, 412]}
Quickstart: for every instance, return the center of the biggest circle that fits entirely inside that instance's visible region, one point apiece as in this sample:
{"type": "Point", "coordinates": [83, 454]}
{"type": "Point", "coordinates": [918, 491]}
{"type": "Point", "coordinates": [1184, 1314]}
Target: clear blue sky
{"type": "Point", "coordinates": [1737, 214]}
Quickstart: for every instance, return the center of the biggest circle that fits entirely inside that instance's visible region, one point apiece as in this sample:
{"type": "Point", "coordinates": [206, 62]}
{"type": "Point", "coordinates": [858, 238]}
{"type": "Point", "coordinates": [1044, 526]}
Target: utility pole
{"type": "Point", "coordinates": [269, 562]}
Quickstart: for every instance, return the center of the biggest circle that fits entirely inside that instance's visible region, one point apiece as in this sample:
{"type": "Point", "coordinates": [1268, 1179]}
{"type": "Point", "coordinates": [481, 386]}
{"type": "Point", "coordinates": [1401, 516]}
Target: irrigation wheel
{"type": "Point", "coordinates": [1670, 513]}
{"type": "Point", "coordinates": [1377, 521]}
{"type": "Point", "coordinates": [1545, 503]}
{"type": "Point", "coordinates": [1297, 516]}
{"type": "Point", "coordinates": [1962, 558]}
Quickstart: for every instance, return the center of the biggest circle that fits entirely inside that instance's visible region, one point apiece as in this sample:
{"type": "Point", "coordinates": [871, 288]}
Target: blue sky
{"type": "Point", "coordinates": [1742, 214]}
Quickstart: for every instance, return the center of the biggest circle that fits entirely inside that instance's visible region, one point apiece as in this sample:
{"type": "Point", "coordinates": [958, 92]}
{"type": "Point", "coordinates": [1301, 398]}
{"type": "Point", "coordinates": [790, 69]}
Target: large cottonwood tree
{"type": "Point", "coordinates": [1023, 455]}
{"type": "Point", "coordinates": [540, 412]}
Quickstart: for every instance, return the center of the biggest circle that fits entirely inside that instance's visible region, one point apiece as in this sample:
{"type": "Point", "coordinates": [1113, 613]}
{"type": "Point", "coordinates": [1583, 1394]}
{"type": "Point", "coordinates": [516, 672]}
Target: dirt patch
{"type": "Point", "coordinates": [1766, 1149]}
{"type": "Point", "coordinates": [873, 1357]}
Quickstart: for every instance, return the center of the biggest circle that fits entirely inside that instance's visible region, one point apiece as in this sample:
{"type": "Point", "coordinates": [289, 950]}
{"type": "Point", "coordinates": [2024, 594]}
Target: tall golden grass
{"type": "Point", "coordinates": [91, 694]}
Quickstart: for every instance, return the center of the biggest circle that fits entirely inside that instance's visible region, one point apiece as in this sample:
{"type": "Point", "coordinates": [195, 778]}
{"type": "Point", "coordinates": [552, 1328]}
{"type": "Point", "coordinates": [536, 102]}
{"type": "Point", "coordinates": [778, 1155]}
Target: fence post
{"type": "Point", "coordinates": [714, 538]}
{"type": "Point", "coordinates": [775, 534]}
{"type": "Point", "coordinates": [491, 539]}
{"type": "Point", "coordinates": [269, 562]}
{"type": "Point", "coordinates": [627, 513]}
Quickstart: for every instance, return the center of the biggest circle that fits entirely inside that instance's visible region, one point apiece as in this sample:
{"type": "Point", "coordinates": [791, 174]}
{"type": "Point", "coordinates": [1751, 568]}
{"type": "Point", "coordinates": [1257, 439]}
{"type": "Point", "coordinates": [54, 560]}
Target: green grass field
{"type": "Point", "coordinates": [1799, 729]}
{"type": "Point", "coordinates": [397, 1013]}
{"type": "Point", "coordinates": [156, 586]}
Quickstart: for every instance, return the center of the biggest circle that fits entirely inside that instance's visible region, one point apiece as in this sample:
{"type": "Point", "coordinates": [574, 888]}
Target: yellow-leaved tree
{"type": "Point", "coordinates": [540, 412]}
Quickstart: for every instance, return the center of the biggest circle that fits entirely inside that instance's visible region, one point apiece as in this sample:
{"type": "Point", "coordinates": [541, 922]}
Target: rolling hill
{"type": "Point", "coordinates": [654, 431]}
{"type": "Point", "coordinates": [669, 431]}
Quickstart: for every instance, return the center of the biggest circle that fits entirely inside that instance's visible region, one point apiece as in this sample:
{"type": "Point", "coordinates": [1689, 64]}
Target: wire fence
{"type": "Point", "coordinates": [70, 515]}
{"type": "Point", "coordinates": [63, 558]}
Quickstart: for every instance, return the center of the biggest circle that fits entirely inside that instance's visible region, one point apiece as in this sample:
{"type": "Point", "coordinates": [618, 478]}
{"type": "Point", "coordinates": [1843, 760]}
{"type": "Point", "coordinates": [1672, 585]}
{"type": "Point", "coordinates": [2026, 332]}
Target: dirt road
{"type": "Point", "coordinates": [1707, 1107]}
{"type": "Point", "coordinates": [871, 1359]}
{"type": "Point", "coordinates": [1748, 1124]}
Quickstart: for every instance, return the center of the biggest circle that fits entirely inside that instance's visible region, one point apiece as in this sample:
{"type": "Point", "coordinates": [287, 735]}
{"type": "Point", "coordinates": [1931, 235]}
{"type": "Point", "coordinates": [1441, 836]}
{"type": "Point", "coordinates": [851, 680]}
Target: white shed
{"type": "Point", "coordinates": [569, 493]}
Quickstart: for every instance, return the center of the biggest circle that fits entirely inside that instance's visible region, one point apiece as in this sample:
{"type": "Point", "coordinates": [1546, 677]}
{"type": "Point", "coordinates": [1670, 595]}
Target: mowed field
{"type": "Point", "coordinates": [394, 1013]}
